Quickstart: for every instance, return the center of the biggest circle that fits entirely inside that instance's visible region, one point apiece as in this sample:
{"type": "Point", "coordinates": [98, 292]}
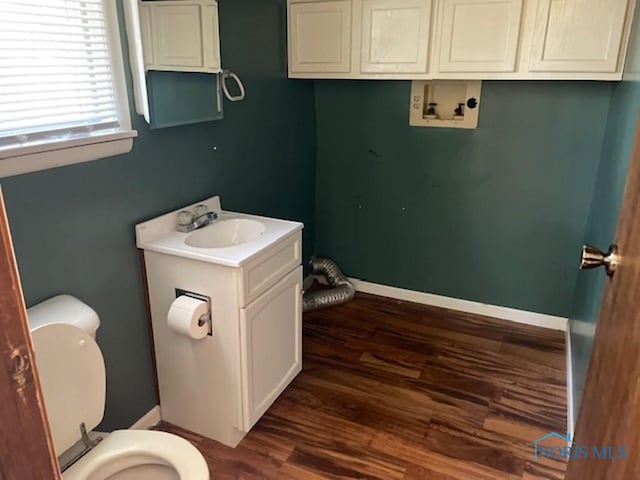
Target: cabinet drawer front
{"type": "Point", "coordinates": [479, 35]}
{"type": "Point", "coordinates": [395, 35]}
{"type": "Point", "coordinates": [270, 346]}
{"type": "Point", "coordinates": [578, 35]}
{"type": "Point", "coordinates": [320, 37]}
{"type": "Point", "coordinates": [268, 268]}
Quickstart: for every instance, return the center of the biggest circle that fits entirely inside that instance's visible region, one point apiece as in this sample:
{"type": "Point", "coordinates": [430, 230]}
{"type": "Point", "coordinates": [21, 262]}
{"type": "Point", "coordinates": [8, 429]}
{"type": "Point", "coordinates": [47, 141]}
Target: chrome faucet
{"type": "Point", "coordinates": [188, 222]}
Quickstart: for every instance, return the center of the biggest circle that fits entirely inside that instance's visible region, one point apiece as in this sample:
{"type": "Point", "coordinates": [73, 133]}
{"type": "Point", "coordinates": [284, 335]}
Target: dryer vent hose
{"type": "Point", "coordinates": [341, 291]}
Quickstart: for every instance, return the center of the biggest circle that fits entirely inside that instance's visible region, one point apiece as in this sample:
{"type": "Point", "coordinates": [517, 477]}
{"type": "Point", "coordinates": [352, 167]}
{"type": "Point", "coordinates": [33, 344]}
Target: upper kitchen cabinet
{"type": "Point", "coordinates": [478, 35]}
{"type": "Point", "coordinates": [459, 39]}
{"type": "Point", "coordinates": [578, 36]}
{"type": "Point", "coordinates": [395, 36]}
{"type": "Point", "coordinates": [320, 37]}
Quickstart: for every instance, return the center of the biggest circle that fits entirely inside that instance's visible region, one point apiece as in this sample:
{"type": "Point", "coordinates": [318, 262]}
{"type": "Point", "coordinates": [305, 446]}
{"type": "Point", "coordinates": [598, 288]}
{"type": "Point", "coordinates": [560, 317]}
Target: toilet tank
{"type": "Point", "coordinates": [64, 309]}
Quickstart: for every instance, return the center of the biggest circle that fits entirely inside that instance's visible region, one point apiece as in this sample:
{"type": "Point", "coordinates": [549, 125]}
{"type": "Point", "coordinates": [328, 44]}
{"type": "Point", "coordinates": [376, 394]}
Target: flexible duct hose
{"type": "Point", "coordinates": [341, 292]}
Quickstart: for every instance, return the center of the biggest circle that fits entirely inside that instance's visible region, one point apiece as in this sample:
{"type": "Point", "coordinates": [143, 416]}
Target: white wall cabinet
{"type": "Point", "coordinates": [180, 35]}
{"type": "Point", "coordinates": [459, 39]}
{"type": "Point", "coordinates": [578, 35]}
{"type": "Point", "coordinates": [479, 35]}
{"type": "Point", "coordinates": [395, 36]}
{"type": "Point", "coordinates": [320, 37]}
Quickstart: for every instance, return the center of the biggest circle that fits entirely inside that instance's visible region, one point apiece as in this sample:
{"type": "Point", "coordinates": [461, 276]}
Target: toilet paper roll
{"type": "Point", "coordinates": [183, 317]}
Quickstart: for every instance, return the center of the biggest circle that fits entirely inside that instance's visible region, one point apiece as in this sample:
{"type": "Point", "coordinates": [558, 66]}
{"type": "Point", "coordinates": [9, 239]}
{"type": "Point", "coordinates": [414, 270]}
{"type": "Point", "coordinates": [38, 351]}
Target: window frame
{"type": "Point", "coordinates": [45, 155]}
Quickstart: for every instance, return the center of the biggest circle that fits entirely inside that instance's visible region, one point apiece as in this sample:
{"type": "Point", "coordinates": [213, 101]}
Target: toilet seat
{"type": "Point", "coordinates": [73, 380]}
{"type": "Point", "coordinates": [124, 449]}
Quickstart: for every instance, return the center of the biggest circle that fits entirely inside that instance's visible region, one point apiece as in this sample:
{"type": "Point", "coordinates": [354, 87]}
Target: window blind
{"type": "Point", "coordinates": [56, 75]}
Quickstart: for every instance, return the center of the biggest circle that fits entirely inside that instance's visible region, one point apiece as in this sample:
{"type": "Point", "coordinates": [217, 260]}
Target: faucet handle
{"type": "Point", "coordinates": [185, 217]}
{"type": "Point", "coordinates": [200, 210]}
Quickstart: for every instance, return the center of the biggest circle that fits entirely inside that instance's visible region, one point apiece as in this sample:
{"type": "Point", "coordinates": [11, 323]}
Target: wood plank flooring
{"type": "Point", "coordinates": [395, 390]}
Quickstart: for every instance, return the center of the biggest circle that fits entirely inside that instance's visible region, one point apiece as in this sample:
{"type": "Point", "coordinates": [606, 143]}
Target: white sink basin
{"type": "Point", "coordinates": [226, 233]}
{"type": "Point", "coordinates": [232, 240]}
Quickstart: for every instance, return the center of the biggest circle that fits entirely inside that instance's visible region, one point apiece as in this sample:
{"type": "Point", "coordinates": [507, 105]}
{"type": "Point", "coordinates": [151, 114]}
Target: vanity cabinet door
{"type": "Point", "coordinates": [320, 37]}
{"type": "Point", "coordinates": [395, 36]}
{"type": "Point", "coordinates": [578, 35]}
{"type": "Point", "coordinates": [479, 35]}
{"type": "Point", "coordinates": [270, 345]}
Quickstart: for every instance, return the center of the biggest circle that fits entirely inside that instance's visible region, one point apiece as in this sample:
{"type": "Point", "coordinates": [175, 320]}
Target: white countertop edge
{"type": "Point", "coordinates": [208, 255]}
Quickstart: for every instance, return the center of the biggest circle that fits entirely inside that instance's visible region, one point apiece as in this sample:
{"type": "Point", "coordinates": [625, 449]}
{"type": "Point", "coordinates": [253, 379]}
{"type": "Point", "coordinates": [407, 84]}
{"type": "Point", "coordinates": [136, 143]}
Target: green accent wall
{"type": "Point", "coordinates": [494, 215]}
{"type": "Point", "coordinates": [73, 227]}
{"type": "Point", "coordinates": [605, 209]}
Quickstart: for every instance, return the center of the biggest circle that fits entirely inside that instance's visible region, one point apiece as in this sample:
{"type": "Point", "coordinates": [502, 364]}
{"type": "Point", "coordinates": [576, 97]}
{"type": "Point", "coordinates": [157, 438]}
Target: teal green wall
{"type": "Point", "coordinates": [73, 227]}
{"type": "Point", "coordinates": [494, 215]}
{"type": "Point", "coordinates": [605, 207]}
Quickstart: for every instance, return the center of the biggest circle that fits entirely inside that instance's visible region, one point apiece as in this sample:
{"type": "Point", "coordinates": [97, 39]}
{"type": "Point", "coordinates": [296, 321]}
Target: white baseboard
{"type": "Point", "coordinates": [570, 412]}
{"type": "Point", "coordinates": [504, 313]}
{"type": "Point", "coordinates": [148, 420]}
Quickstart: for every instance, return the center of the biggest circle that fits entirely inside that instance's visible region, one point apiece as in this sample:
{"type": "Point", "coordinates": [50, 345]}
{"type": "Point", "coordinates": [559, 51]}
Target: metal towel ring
{"type": "Point", "coordinates": [228, 74]}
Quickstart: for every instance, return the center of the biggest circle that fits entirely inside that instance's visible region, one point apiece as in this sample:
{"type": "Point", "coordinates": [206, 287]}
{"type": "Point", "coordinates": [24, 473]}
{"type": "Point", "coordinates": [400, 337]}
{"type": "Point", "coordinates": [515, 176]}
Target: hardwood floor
{"type": "Point", "coordinates": [395, 390]}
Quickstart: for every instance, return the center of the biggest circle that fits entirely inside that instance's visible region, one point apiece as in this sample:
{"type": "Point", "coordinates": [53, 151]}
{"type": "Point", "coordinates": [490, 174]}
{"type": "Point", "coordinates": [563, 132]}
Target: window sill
{"type": "Point", "coordinates": [58, 154]}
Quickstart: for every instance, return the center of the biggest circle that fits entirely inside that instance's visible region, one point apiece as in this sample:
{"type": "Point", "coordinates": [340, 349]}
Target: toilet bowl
{"type": "Point", "coordinates": [73, 380]}
{"type": "Point", "coordinates": [140, 455]}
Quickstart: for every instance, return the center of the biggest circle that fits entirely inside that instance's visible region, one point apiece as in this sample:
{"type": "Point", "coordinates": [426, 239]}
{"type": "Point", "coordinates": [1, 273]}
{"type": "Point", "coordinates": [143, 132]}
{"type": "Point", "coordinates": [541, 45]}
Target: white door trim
{"type": "Point", "coordinates": [570, 411]}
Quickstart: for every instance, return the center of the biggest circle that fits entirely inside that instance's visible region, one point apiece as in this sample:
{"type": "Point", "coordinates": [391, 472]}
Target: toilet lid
{"type": "Point", "coordinates": [72, 376]}
{"type": "Point", "coordinates": [124, 449]}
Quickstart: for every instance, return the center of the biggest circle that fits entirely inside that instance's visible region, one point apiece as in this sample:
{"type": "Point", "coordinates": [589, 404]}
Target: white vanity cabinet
{"type": "Point", "coordinates": [219, 386]}
{"type": "Point", "coordinates": [459, 39]}
{"type": "Point", "coordinates": [270, 319]}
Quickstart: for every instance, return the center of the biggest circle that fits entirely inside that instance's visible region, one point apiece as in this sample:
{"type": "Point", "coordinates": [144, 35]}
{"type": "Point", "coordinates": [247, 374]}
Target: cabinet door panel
{"type": "Point", "coordinates": [395, 35]}
{"type": "Point", "coordinates": [578, 35]}
{"type": "Point", "coordinates": [320, 37]}
{"type": "Point", "coordinates": [180, 35]}
{"type": "Point", "coordinates": [479, 35]}
{"type": "Point", "coordinates": [180, 43]}
{"type": "Point", "coordinates": [270, 346]}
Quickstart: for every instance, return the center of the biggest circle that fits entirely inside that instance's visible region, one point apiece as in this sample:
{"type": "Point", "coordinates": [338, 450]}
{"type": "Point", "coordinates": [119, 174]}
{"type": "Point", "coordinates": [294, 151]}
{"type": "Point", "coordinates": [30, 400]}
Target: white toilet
{"type": "Point", "coordinates": [72, 375]}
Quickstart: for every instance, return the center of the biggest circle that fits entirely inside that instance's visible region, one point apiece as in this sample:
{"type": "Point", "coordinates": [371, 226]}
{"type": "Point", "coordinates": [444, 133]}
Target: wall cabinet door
{"type": "Point", "coordinates": [578, 35]}
{"type": "Point", "coordinates": [270, 345]}
{"type": "Point", "coordinates": [395, 36]}
{"type": "Point", "coordinates": [180, 36]}
{"type": "Point", "coordinates": [479, 35]}
{"type": "Point", "coordinates": [320, 37]}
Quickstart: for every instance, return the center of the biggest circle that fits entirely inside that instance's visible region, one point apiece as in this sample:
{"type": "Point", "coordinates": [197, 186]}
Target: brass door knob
{"type": "Point", "coordinates": [593, 257]}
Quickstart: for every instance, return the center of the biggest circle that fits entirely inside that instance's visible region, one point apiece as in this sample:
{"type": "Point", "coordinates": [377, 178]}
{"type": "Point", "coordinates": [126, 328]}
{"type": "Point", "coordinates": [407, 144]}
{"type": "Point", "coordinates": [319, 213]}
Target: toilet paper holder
{"type": "Point", "coordinates": [204, 298]}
